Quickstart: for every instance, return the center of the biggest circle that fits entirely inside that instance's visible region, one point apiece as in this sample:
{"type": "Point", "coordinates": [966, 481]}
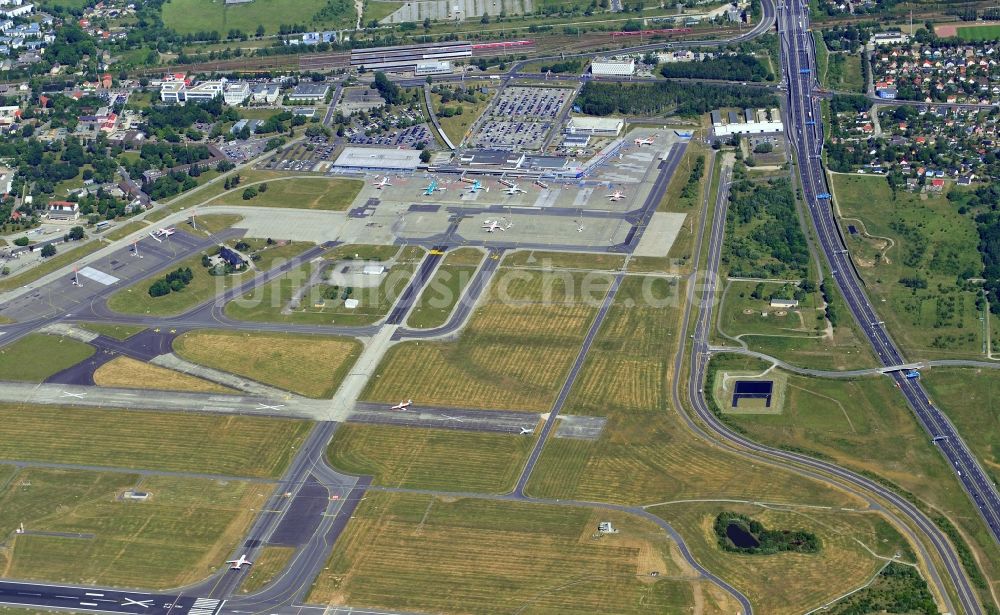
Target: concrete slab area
{"type": "Point", "coordinates": [661, 232]}
{"type": "Point", "coordinates": [556, 230]}
{"type": "Point", "coordinates": [580, 427]}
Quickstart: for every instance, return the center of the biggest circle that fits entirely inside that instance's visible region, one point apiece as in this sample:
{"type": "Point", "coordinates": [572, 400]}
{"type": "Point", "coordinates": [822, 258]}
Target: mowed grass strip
{"type": "Point", "coordinates": [136, 299]}
{"type": "Point", "coordinates": [310, 365]}
{"type": "Point", "coordinates": [299, 193]}
{"type": "Point", "coordinates": [431, 458]}
{"type": "Point", "coordinates": [421, 553]}
{"type": "Point", "coordinates": [443, 291]}
{"type": "Point", "coordinates": [971, 398]}
{"type": "Point", "coordinates": [129, 373]}
{"type": "Point", "coordinates": [168, 441]}
{"type": "Point", "coordinates": [189, 16]}
{"type": "Point", "coordinates": [36, 356]}
{"type": "Point", "coordinates": [180, 535]}
{"type": "Point", "coordinates": [118, 332]}
{"type": "Point", "coordinates": [791, 583]}
{"type": "Point", "coordinates": [266, 566]}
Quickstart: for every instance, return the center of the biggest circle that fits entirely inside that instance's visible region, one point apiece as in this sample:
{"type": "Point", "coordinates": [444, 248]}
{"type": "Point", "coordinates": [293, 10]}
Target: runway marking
{"type": "Point", "coordinates": [204, 606]}
{"type": "Point", "coordinates": [452, 418]}
{"type": "Point", "coordinates": [93, 594]}
{"type": "Point", "coordinates": [143, 603]}
{"type": "Point", "coordinates": [263, 406]}
{"type": "Point", "coordinates": [76, 395]}
{"type": "Point", "coordinates": [88, 604]}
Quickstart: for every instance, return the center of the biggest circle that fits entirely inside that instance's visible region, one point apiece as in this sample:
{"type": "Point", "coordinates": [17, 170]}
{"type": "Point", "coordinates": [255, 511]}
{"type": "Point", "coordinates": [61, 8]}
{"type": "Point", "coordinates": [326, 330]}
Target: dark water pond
{"type": "Point", "coordinates": [740, 537]}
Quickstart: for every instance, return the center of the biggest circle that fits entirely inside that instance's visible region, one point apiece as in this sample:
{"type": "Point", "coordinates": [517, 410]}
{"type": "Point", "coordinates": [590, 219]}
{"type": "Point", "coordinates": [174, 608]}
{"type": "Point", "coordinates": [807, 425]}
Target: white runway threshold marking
{"type": "Point", "coordinates": [98, 276]}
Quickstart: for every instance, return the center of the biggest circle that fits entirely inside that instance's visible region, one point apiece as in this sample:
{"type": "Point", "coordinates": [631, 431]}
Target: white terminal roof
{"type": "Point", "coordinates": [378, 158]}
{"type": "Point", "coordinates": [610, 124]}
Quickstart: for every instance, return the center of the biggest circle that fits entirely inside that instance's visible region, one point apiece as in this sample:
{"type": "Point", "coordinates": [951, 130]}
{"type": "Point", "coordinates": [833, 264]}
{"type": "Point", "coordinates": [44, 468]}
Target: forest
{"type": "Point", "coordinates": [768, 541]}
{"type": "Point", "coordinates": [657, 98]}
{"type": "Point", "coordinates": [730, 68]}
{"type": "Point", "coordinates": [775, 246]}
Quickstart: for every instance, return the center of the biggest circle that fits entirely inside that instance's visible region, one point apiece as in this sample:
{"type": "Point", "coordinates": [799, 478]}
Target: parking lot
{"type": "Point", "coordinates": [241, 151]}
{"type": "Point", "coordinates": [357, 99]}
{"type": "Point", "coordinates": [511, 135]}
{"type": "Point", "coordinates": [528, 103]}
{"type": "Point", "coordinates": [314, 154]}
{"type": "Point", "coordinates": [403, 137]}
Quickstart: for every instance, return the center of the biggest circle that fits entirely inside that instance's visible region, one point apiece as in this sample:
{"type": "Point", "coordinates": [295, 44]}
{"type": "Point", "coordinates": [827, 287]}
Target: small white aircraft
{"type": "Point", "coordinates": [237, 564]}
{"type": "Point", "coordinates": [514, 189]}
{"type": "Point", "coordinates": [403, 405]}
{"type": "Point", "coordinates": [496, 225]}
{"type": "Point", "coordinates": [382, 183]}
{"type": "Point", "coordinates": [579, 226]}
{"type": "Point", "coordinates": [527, 431]}
{"type": "Point", "coordinates": [617, 195]}
{"type": "Point", "coordinates": [161, 234]}
{"type": "Point", "coordinates": [646, 141]}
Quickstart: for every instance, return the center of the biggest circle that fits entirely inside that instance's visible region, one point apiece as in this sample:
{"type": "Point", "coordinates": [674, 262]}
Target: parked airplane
{"type": "Point", "coordinates": [515, 189]}
{"type": "Point", "coordinates": [541, 184]}
{"type": "Point", "coordinates": [579, 226]}
{"type": "Point", "coordinates": [617, 195]}
{"type": "Point", "coordinates": [496, 225]}
{"type": "Point", "coordinates": [432, 187]}
{"type": "Point", "coordinates": [382, 183]}
{"type": "Point", "coordinates": [476, 187]}
{"type": "Point", "coordinates": [403, 405]}
{"type": "Point", "coordinates": [526, 431]}
{"type": "Point", "coordinates": [237, 564]}
{"type": "Point", "coordinates": [646, 141]}
{"type": "Point", "coordinates": [160, 234]}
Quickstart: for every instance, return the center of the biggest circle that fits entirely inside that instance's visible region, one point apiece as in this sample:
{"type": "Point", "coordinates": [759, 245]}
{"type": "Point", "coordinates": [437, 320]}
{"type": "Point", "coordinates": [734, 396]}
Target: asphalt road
{"type": "Point", "coordinates": [797, 53]}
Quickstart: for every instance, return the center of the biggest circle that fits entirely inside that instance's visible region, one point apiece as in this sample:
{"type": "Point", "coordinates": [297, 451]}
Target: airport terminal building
{"type": "Point", "coordinates": [362, 159]}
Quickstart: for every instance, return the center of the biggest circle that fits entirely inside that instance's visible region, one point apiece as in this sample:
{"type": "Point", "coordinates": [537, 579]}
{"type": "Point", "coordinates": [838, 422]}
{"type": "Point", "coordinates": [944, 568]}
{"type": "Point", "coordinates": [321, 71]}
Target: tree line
{"type": "Point", "coordinates": [682, 98]}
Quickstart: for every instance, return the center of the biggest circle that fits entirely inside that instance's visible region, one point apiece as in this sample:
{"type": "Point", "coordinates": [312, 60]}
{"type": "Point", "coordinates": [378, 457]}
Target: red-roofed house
{"type": "Point", "coordinates": [63, 210]}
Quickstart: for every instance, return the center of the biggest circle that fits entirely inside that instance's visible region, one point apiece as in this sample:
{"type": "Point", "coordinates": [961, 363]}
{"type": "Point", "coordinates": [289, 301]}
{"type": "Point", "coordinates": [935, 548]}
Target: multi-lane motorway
{"type": "Point", "coordinates": [807, 137]}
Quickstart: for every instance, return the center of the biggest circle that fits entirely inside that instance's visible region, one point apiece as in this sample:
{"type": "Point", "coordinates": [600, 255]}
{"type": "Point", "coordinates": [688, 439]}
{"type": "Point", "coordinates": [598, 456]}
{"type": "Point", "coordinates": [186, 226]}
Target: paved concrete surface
{"type": "Point", "coordinates": [172, 361]}
{"type": "Point", "coordinates": [660, 235]}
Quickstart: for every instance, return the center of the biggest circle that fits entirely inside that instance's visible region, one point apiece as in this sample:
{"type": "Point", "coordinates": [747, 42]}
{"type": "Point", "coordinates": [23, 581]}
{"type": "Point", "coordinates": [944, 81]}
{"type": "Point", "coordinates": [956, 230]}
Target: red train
{"type": "Point", "coordinates": [501, 45]}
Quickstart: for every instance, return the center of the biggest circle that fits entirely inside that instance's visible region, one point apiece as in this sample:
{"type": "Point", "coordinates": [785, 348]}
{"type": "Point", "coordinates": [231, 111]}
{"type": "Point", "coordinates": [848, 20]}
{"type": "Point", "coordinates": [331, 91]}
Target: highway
{"type": "Point", "coordinates": [808, 142]}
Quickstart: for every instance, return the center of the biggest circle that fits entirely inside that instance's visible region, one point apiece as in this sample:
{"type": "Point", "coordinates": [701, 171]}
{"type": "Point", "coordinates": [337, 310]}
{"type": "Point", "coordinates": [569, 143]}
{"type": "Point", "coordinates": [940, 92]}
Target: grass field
{"type": "Point", "coordinates": [136, 299]}
{"type": "Point", "coordinates": [865, 425]}
{"type": "Point", "coordinates": [180, 535]}
{"type": "Point", "coordinates": [379, 9]}
{"type": "Point", "coordinates": [791, 583]}
{"type": "Point", "coordinates": [129, 373]}
{"type": "Point", "coordinates": [421, 553]}
{"type": "Point", "coordinates": [266, 566]}
{"type": "Point", "coordinates": [799, 335]}
{"type": "Point", "coordinates": [644, 454]}
{"type": "Point", "coordinates": [211, 224]}
{"type": "Point", "coordinates": [269, 303]}
{"type": "Point", "coordinates": [309, 365]}
{"type": "Point", "coordinates": [63, 258]}
{"type": "Point", "coordinates": [564, 260]}
{"type": "Point", "coordinates": [188, 16]}
{"type": "Point", "coordinates": [149, 440]}
{"type": "Point", "coordinates": [971, 398]}
{"type": "Point", "coordinates": [118, 332]}
{"type": "Point", "coordinates": [36, 356]}
{"type": "Point", "coordinates": [845, 72]}
{"type": "Point", "coordinates": [513, 354]}
{"type": "Point", "coordinates": [431, 458]}
{"type": "Point", "coordinates": [914, 238]}
{"type": "Point", "coordinates": [300, 193]}
{"type": "Point", "coordinates": [457, 125]}
{"type": "Point", "coordinates": [979, 33]}
{"type": "Point", "coordinates": [124, 230]}
{"type": "Point", "coordinates": [442, 292]}
{"type": "Point", "coordinates": [685, 197]}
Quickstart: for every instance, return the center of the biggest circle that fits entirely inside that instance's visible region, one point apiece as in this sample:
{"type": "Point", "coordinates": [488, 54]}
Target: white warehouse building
{"type": "Point", "coordinates": [599, 126]}
{"type": "Point", "coordinates": [433, 67]}
{"type": "Point", "coordinates": [613, 68]}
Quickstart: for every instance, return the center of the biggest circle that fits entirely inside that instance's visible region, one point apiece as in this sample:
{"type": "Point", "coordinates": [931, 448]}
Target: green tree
{"type": "Point", "coordinates": [76, 233]}
{"type": "Point", "coordinates": [249, 193]}
{"type": "Point", "coordinates": [48, 250]}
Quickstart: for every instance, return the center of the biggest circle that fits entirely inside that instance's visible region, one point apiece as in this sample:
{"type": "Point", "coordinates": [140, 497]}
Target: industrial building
{"type": "Point", "coordinates": [377, 159]}
{"type": "Point", "coordinates": [435, 67]}
{"type": "Point", "coordinates": [233, 92]}
{"type": "Point", "coordinates": [612, 68]}
{"type": "Point", "coordinates": [749, 122]}
{"type": "Point", "coordinates": [309, 92]}
{"type": "Point", "coordinates": [595, 126]}
{"type": "Point", "coordinates": [495, 158]}
{"type": "Point", "coordinates": [265, 93]}
{"type": "Point", "coordinates": [407, 57]}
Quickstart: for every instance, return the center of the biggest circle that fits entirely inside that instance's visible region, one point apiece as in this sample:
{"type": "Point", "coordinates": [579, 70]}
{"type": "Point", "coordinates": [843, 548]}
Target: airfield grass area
{"type": "Point", "coordinates": [267, 565]}
{"type": "Point", "coordinates": [167, 441]}
{"type": "Point", "coordinates": [513, 354]}
{"type": "Point", "coordinates": [117, 332]}
{"type": "Point", "coordinates": [189, 16]}
{"type": "Point", "coordinates": [136, 299]}
{"type": "Point", "coordinates": [971, 398]}
{"type": "Point", "coordinates": [865, 425]}
{"type": "Point", "coordinates": [271, 302]}
{"type": "Point", "coordinates": [423, 553]}
{"type": "Point", "coordinates": [299, 193]}
{"type": "Point", "coordinates": [442, 292]}
{"type": "Point", "coordinates": [644, 453]}
{"type": "Point", "coordinates": [379, 9]}
{"type": "Point", "coordinates": [210, 224]}
{"type": "Point", "coordinates": [124, 230]}
{"type": "Point", "coordinates": [36, 356]}
{"type": "Point", "coordinates": [979, 33]}
{"type": "Point", "coordinates": [310, 365]}
{"type": "Point", "coordinates": [65, 256]}
{"type": "Point", "coordinates": [686, 197]}
{"type": "Point", "coordinates": [914, 238]}
{"type": "Point", "coordinates": [798, 335]}
{"type": "Point", "coordinates": [791, 583]}
{"type": "Point", "coordinates": [273, 255]}
{"type": "Point", "coordinates": [541, 259]}
{"type": "Point", "coordinates": [456, 126]}
{"type": "Point", "coordinates": [129, 373]}
{"type": "Point", "coordinates": [179, 536]}
{"type": "Point", "coordinates": [452, 460]}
